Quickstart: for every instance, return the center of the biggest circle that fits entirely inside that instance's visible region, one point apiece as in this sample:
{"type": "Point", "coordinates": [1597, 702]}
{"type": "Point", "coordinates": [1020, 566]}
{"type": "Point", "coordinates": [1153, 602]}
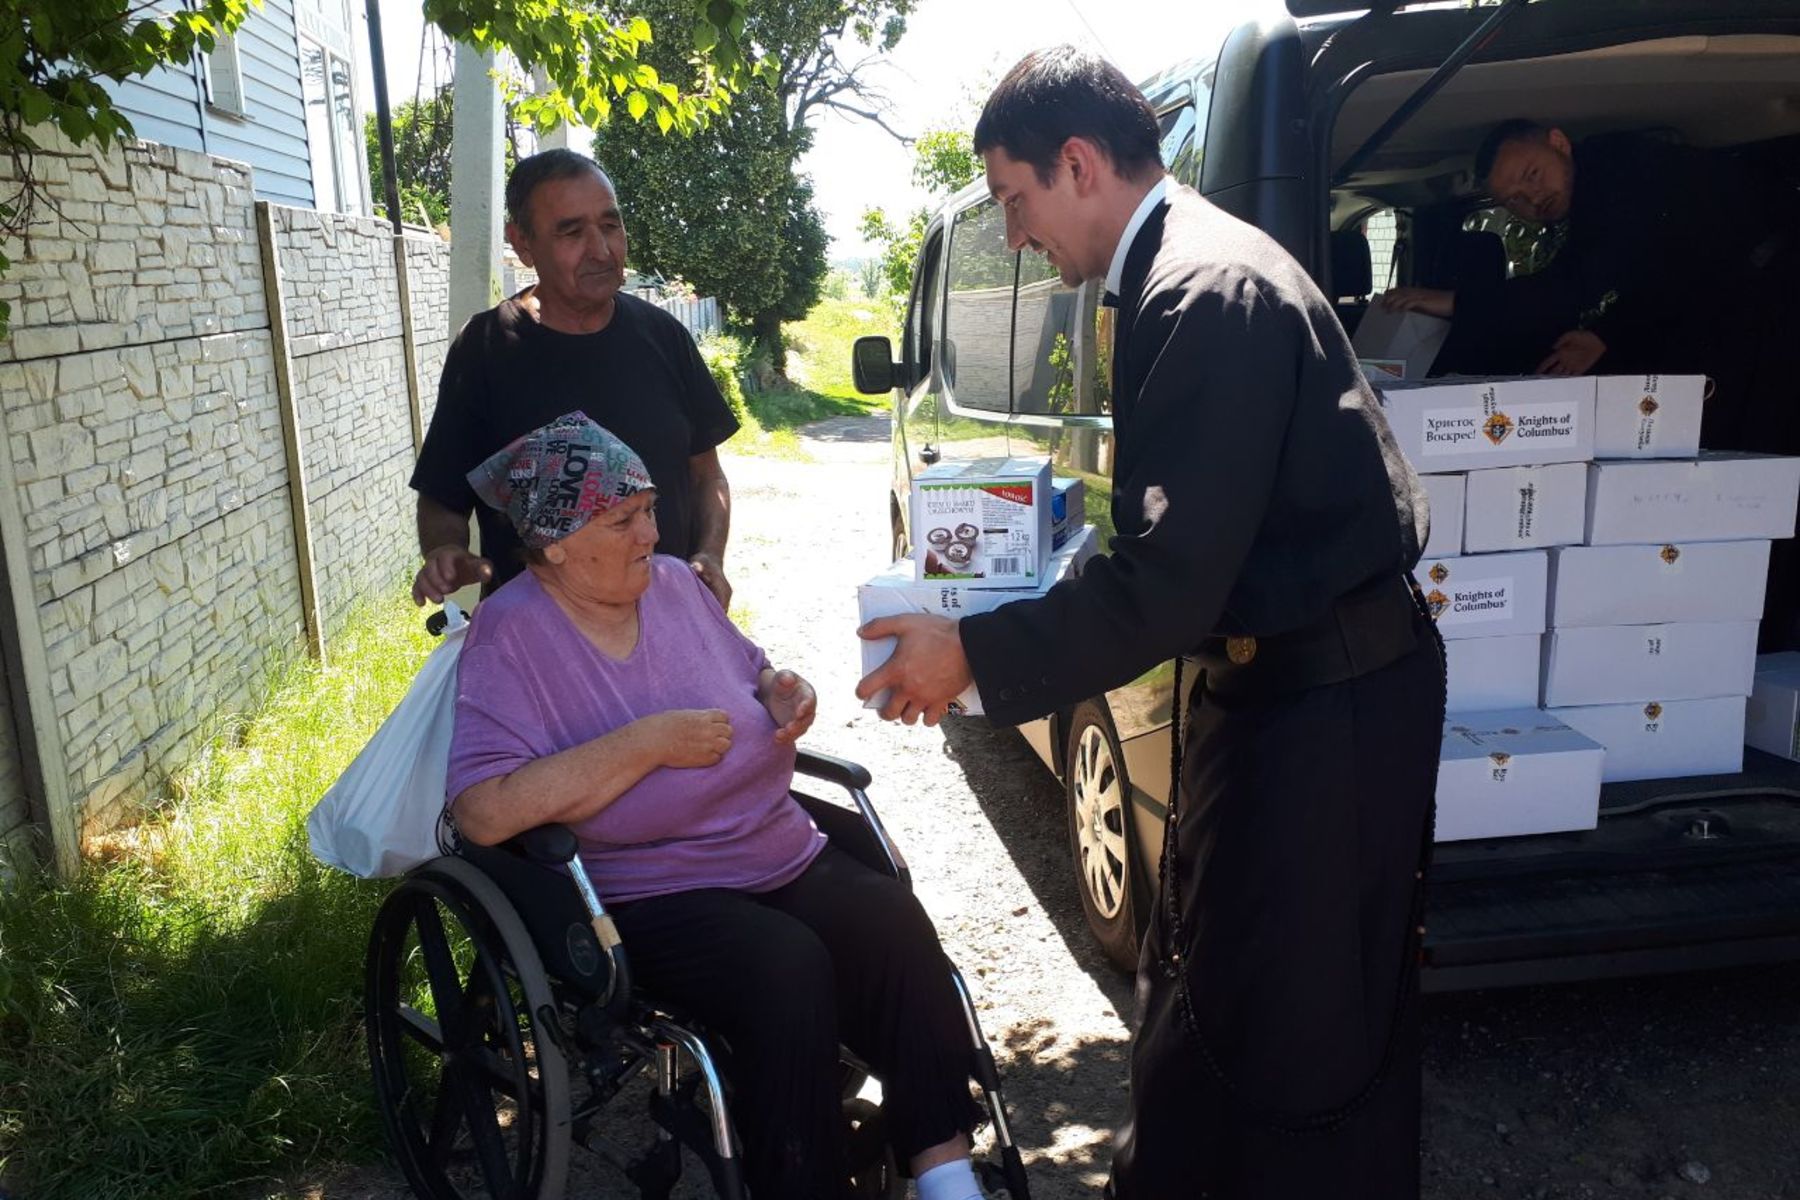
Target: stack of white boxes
{"type": "Point", "coordinates": [1652, 649]}
{"type": "Point", "coordinates": [985, 532]}
{"type": "Point", "coordinates": [1504, 464]}
{"type": "Point", "coordinates": [1587, 515]}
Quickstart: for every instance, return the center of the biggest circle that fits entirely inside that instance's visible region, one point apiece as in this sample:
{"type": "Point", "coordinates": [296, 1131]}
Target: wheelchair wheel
{"type": "Point", "coordinates": [473, 1092]}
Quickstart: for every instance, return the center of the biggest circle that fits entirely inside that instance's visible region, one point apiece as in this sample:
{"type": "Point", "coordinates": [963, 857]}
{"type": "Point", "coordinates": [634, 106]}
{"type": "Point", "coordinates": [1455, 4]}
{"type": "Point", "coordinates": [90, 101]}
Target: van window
{"type": "Point", "coordinates": [978, 310]}
{"type": "Point", "coordinates": [921, 322]}
{"type": "Point", "coordinates": [1529, 245]}
{"type": "Point", "coordinates": [1044, 333]}
{"type": "Point", "coordinates": [1383, 231]}
{"type": "Point", "coordinates": [1182, 131]}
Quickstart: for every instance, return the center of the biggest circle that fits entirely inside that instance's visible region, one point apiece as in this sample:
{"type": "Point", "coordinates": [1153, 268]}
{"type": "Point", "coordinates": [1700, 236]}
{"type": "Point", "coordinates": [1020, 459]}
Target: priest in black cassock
{"type": "Point", "coordinates": [1266, 524]}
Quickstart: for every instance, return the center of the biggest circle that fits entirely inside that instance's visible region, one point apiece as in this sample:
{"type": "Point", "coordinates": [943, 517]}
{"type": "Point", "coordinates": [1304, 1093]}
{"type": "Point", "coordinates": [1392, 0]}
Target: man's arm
{"type": "Point", "coordinates": [711, 496]}
{"type": "Point", "coordinates": [444, 541]}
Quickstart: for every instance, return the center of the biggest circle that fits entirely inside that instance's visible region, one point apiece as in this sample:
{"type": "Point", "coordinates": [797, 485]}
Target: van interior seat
{"type": "Point", "coordinates": [1352, 276]}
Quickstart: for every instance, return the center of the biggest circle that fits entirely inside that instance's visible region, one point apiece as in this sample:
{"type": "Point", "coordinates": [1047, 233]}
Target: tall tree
{"type": "Point", "coordinates": [943, 161]}
{"type": "Point", "coordinates": [727, 210]}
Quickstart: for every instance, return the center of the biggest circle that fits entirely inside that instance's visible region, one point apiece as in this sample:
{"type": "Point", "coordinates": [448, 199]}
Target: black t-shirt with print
{"type": "Point", "coordinates": [505, 375]}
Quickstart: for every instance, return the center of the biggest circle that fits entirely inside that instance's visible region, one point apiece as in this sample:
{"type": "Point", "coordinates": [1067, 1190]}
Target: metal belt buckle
{"type": "Point", "coordinates": [1240, 650]}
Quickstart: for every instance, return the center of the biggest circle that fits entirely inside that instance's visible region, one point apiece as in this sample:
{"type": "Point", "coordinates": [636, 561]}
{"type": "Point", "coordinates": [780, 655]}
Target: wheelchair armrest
{"type": "Point", "coordinates": [546, 845]}
{"type": "Point", "coordinates": [842, 772]}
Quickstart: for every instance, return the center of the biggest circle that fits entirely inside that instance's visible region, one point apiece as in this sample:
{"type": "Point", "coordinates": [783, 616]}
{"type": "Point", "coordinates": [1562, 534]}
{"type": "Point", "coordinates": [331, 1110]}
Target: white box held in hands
{"type": "Point", "coordinates": [1720, 496]}
{"type": "Point", "coordinates": [895, 593]}
{"type": "Point", "coordinates": [1467, 425]}
{"type": "Point", "coordinates": [1525, 508]}
{"type": "Point", "coordinates": [1490, 673]}
{"type": "Point", "coordinates": [1614, 664]}
{"type": "Point", "coordinates": [1655, 739]}
{"type": "Point", "coordinates": [1515, 772]}
{"type": "Point", "coordinates": [1445, 495]}
{"type": "Point", "coordinates": [1773, 720]}
{"type": "Point", "coordinates": [985, 523]}
{"type": "Point", "coordinates": [1485, 595]}
{"type": "Point", "coordinates": [1642, 585]}
{"type": "Point", "coordinates": [1648, 416]}
{"type": "Point", "coordinates": [1413, 338]}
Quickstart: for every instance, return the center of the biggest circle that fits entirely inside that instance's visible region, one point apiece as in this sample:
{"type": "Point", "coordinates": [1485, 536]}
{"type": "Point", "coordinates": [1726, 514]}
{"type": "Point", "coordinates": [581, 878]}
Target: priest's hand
{"type": "Point", "coordinates": [926, 672]}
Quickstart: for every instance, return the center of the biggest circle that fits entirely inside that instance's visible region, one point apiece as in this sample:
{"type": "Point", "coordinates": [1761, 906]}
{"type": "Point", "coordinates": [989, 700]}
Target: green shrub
{"type": "Point", "coordinates": [725, 357]}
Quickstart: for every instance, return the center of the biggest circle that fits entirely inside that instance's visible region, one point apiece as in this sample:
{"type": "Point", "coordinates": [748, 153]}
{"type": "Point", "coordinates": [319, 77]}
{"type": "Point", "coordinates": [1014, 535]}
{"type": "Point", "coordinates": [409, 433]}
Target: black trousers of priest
{"type": "Point", "coordinates": [1280, 1060]}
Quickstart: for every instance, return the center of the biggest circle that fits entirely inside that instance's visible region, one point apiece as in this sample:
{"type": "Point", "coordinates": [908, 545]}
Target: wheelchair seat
{"type": "Point", "coordinates": [502, 1020]}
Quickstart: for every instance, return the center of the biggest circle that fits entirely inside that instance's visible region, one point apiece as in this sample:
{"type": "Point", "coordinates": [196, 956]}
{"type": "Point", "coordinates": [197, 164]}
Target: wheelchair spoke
{"type": "Point", "coordinates": [484, 1125]}
{"type": "Point", "coordinates": [446, 1119]}
{"type": "Point", "coordinates": [420, 1028]}
{"type": "Point", "coordinates": [440, 967]}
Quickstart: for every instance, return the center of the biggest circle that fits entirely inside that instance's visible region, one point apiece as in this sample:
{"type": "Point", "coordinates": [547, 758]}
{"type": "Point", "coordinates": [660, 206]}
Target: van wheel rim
{"type": "Point", "coordinates": [1100, 822]}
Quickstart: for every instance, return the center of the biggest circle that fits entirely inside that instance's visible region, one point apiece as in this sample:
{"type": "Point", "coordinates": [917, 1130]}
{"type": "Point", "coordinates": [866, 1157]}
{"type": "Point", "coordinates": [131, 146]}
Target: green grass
{"type": "Point", "coordinates": [182, 1020]}
{"type": "Point", "coordinates": [819, 384]}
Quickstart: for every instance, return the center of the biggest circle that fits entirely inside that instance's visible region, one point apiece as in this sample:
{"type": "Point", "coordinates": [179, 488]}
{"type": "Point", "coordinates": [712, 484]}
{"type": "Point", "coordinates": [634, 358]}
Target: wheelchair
{"type": "Point", "coordinates": [502, 1020]}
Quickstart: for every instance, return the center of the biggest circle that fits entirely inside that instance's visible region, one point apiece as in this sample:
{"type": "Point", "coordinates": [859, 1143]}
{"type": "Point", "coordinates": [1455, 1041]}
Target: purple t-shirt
{"type": "Point", "coordinates": [529, 684]}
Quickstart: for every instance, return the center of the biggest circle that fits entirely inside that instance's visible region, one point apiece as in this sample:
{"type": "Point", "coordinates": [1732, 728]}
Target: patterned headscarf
{"type": "Point", "coordinates": [554, 480]}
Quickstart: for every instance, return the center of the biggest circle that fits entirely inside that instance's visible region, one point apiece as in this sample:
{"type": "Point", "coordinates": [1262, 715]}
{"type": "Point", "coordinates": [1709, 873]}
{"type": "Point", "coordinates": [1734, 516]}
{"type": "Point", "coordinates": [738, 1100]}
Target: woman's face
{"type": "Point", "coordinates": [608, 559]}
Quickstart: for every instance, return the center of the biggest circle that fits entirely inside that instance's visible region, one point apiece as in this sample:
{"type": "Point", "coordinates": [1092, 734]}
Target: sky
{"type": "Point", "coordinates": [935, 78]}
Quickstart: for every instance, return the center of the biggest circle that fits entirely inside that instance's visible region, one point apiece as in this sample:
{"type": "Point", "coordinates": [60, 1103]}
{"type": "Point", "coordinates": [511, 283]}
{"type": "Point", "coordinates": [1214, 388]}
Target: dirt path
{"type": "Point", "coordinates": [1672, 1088]}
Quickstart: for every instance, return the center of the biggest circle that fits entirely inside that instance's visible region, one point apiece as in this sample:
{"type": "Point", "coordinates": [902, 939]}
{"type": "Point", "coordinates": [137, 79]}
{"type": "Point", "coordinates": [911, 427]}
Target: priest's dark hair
{"type": "Point", "coordinates": [1062, 92]}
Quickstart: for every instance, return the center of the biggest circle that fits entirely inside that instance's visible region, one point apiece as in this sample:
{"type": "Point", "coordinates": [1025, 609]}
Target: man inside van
{"type": "Point", "coordinates": [1266, 524]}
{"type": "Point", "coordinates": [1659, 239]}
{"type": "Point", "coordinates": [570, 342]}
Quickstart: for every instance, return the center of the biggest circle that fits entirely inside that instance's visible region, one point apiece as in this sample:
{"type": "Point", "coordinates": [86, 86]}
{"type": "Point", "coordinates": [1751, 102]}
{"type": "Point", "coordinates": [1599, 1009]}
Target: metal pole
{"type": "Point", "coordinates": [384, 118]}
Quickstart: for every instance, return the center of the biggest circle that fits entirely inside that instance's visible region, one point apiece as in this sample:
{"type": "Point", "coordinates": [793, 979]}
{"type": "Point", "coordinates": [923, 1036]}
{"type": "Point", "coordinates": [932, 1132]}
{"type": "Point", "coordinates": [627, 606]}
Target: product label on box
{"type": "Point", "coordinates": [1653, 713]}
{"type": "Point", "coordinates": [1527, 516]}
{"type": "Point", "coordinates": [1499, 766]}
{"type": "Point", "coordinates": [975, 532]}
{"type": "Point", "coordinates": [1460, 430]}
{"type": "Point", "coordinates": [1478, 600]}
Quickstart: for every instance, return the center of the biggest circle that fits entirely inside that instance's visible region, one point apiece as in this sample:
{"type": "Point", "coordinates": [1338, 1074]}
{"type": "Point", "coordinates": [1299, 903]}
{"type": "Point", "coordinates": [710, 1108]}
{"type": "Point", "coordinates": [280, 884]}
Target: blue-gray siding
{"type": "Point", "coordinates": [165, 106]}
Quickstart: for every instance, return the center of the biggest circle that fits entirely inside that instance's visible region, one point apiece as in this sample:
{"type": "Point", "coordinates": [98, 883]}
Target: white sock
{"type": "Point", "coordinates": [953, 1180]}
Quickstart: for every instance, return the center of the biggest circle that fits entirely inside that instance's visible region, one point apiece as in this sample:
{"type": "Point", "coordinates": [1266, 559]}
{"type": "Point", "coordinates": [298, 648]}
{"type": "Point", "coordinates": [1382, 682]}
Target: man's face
{"type": "Point", "coordinates": [1046, 219]}
{"type": "Point", "coordinates": [576, 241]}
{"type": "Point", "coordinates": [1535, 180]}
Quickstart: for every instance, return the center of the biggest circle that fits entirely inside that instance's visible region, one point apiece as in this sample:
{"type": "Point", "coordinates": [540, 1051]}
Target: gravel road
{"type": "Point", "coordinates": [1665, 1088]}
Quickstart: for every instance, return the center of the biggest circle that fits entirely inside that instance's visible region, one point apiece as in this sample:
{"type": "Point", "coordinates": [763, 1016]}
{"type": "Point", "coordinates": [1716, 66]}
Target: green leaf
{"type": "Point", "coordinates": [34, 105]}
{"type": "Point", "coordinates": [637, 104]}
{"type": "Point", "coordinates": [664, 120]}
{"type": "Point", "coordinates": [705, 37]}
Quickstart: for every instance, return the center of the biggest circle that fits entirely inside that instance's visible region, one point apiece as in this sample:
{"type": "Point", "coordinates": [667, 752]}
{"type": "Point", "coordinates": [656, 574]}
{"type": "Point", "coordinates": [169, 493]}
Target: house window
{"type": "Point", "coordinates": [224, 76]}
{"type": "Point", "coordinates": [332, 143]}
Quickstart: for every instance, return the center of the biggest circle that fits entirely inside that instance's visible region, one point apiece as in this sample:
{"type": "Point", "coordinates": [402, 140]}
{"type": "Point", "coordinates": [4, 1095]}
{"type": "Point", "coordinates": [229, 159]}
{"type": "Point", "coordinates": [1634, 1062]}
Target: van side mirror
{"type": "Point", "coordinates": [872, 366]}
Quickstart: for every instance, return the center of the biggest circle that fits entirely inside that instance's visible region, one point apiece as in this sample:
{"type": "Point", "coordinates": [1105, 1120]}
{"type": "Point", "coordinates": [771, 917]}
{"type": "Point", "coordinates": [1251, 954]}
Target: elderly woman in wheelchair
{"type": "Point", "coordinates": [604, 690]}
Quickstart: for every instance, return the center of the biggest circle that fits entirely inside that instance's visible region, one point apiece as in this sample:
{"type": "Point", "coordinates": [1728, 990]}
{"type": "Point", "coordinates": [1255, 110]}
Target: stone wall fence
{"type": "Point", "coordinates": [209, 407]}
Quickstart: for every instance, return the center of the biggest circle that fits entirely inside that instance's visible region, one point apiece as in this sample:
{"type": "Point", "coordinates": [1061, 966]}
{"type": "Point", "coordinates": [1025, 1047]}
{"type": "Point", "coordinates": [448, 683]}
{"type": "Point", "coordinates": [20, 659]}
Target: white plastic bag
{"type": "Point", "coordinates": [382, 816]}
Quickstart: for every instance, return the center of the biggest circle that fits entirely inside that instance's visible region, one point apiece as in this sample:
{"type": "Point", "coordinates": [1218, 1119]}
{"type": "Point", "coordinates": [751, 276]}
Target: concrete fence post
{"type": "Point", "coordinates": [290, 430]}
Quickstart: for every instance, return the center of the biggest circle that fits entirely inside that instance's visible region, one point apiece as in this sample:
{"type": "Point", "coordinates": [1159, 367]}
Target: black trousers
{"type": "Point", "coordinates": [1280, 1059]}
{"type": "Point", "coordinates": [842, 955]}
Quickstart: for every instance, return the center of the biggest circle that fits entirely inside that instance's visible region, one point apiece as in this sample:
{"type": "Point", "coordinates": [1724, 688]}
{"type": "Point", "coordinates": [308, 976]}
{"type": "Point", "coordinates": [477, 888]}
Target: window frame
{"type": "Point", "coordinates": [1003, 411]}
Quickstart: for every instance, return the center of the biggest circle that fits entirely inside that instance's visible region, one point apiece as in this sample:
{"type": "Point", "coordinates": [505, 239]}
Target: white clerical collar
{"type": "Point", "coordinates": [1115, 275]}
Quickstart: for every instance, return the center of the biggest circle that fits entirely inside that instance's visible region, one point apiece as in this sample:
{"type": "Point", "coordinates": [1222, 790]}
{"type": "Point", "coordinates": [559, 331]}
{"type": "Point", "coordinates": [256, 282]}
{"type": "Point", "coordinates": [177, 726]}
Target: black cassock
{"type": "Point", "coordinates": [1256, 483]}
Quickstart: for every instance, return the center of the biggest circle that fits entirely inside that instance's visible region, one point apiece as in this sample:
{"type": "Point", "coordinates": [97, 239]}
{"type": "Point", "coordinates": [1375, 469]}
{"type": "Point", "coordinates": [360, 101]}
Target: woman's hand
{"type": "Point", "coordinates": [790, 700]}
{"type": "Point", "coordinates": [1435, 302]}
{"type": "Point", "coordinates": [688, 737]}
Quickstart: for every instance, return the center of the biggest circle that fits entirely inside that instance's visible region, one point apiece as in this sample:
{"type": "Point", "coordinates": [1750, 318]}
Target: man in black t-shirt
{"type": "Point", "coordinates": [571, 342]}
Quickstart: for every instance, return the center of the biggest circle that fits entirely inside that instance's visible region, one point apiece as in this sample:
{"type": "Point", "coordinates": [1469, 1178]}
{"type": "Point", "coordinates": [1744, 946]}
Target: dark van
{"type": "Point", "coordinates": [1349, 138]}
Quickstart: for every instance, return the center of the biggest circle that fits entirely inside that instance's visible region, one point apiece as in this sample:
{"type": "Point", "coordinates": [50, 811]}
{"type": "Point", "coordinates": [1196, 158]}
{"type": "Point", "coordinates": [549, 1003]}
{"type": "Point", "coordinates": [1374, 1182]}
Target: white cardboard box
{"type": "Point", "coordinates": [1468, 425]}
{"type": "Point", "coordinates": [1068, 509]}
{"type": "Point", "coordinates": [1445, 495]}
{"type": "Point", "coordinates": [1772, 722]}
{"type": "Point", "coordinates": [984, 523]}
{"type": "Point", "coordinates": [1642, 585]}
{"type": "Point", "coordinates": [1664, 740]}
{"type": "Point", "coordinates": [1717, 497]}
{"type": "Point", "coordinates": [895, 593]}
{"type": "Point", "coordinates": [1493, 673]}
{"type": "Point", "coordinates": [1485, 595]}
{"type": "Point", "coordinates": [1525, 508]}
{"type": "Point", "coordinates": [1515, 772]}
{"type": "Point", "coordinates": [1615, 664]}
{"type": "Point", "coordinates": [1648, 416]}
{"type": "Point", "coordinates": [1414, 338]}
